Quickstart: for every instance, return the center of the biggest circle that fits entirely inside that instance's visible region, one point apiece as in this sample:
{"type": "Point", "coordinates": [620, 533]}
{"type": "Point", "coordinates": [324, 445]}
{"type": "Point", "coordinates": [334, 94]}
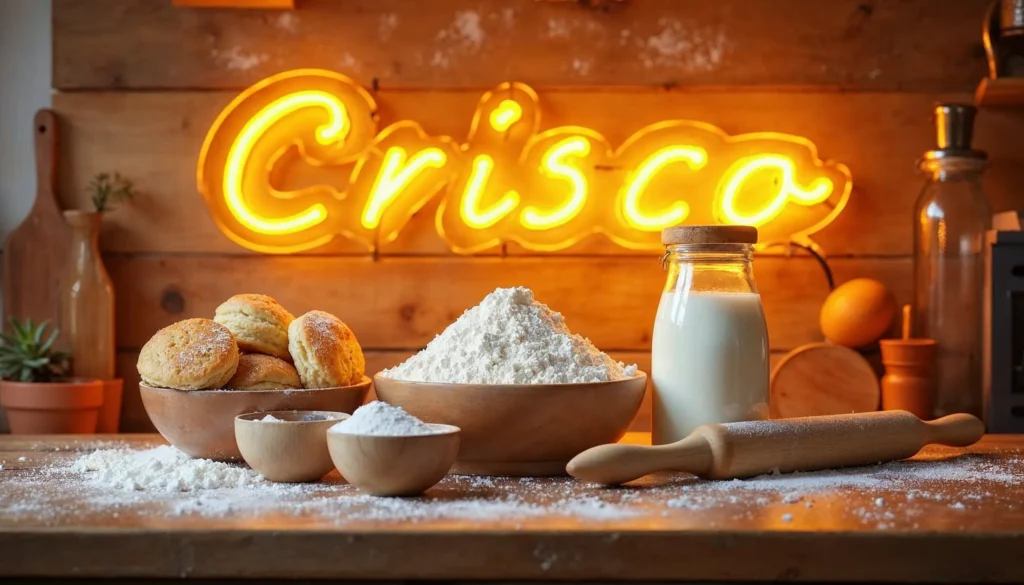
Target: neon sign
{"type": "Point", "coordinates": [297, 160]}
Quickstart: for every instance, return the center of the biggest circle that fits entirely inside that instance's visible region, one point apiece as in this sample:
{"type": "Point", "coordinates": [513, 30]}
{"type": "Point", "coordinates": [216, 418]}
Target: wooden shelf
{"type": "Point", "coordinates": [1000, 92]}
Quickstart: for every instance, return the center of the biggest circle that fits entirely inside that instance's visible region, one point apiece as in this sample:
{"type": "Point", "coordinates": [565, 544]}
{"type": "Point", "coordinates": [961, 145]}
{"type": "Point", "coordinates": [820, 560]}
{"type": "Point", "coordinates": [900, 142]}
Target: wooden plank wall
{"type": "Point", "coordinates": [140, 82]}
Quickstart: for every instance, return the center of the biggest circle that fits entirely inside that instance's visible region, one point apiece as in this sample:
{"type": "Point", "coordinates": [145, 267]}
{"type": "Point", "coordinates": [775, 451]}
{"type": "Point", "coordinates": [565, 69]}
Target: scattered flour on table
{"type": "Point", "coordinates": [162, 486]}
{"type": "Point", "coordinates": [383, 420]}
{"type": "Point", "coordinates": [160, 469]}
{"type": "Point", "coordinates": [510, 338]}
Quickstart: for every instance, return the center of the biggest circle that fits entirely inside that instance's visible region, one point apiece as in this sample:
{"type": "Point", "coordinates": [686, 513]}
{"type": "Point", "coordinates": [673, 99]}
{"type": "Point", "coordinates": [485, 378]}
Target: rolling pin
{"type": "Point", "coordinates": [745, 449]}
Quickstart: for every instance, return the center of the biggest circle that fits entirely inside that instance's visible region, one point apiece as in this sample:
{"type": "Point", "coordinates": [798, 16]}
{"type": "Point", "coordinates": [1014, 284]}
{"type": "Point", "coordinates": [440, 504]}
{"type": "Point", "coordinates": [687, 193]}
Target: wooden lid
{"type": "Point", "coordinates": [709, 234]}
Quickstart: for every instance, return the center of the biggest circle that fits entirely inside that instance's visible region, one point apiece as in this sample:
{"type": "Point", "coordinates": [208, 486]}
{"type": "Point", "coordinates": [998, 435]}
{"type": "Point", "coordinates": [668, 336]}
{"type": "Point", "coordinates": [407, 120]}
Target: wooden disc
{"type": "Point", "coordinates": [709, 234]}
{"type": "Point", "coordinates": [822, 378]}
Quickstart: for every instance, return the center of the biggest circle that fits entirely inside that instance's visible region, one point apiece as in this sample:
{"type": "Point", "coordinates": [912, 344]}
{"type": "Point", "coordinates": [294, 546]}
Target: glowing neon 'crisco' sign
{"type": "Point", "coordinates": [315, 132]}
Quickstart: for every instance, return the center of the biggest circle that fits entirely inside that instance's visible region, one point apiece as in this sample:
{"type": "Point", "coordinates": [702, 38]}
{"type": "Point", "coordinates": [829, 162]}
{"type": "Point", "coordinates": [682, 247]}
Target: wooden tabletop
{"type": "Point", "coordinates": [950, 515]}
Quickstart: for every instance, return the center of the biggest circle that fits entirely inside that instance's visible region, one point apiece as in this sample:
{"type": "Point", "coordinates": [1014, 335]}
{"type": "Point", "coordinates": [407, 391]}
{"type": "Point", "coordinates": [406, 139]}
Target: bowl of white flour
{"type": "Point", "coordinates": [527, 393]}
{"type": "Point", "coordinates": [386, 451]}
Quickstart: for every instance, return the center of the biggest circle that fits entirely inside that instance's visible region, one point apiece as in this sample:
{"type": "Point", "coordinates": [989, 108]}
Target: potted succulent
{"type": "Point", "coordinates": [87, 296]}
{"type": "Point", "coordinates": [33, 389]}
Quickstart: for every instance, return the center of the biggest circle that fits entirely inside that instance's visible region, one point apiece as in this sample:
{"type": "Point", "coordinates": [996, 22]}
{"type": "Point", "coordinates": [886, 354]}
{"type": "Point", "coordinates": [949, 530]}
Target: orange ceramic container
{"type": "Point", "coordinates": [52, 408]}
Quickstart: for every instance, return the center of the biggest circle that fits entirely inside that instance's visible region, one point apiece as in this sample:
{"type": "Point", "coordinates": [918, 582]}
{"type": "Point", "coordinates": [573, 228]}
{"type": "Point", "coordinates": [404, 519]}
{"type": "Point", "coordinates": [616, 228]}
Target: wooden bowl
{"type": "Point", "coordinates": [394, 466]}
{"type": "Point", "coordinates": [202, 422]}
{"type": "Point", "coordinates": [289, 450]}
{"type": "Point", "coordinates": [521, 429]}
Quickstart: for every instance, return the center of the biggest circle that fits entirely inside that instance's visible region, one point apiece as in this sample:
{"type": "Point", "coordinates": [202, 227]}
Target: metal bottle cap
{"type": "Point", "coordinates": [954, 125]}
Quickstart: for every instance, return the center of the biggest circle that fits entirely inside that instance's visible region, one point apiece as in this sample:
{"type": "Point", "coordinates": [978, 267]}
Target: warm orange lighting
{"type": "Point", "coordinates": [743, 169]}
{"type": "Point", "coordinates": [694, 157]}
{"type": "Point", "coordinates": [297, 160]}
{"type": "Point", "coordinates": [507, 113]}
{"type": "Point", "coordinates": [553, 167]}
{"type": "Point", "coordinates": [396, 175]}
{"type": "Point", "coordinates": [471, 214]}
{"type": "Point", "coordinates": [334, 131]}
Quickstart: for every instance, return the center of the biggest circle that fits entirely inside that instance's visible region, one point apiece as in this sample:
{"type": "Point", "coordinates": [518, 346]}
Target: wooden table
{"type": "Point", "coordinates": [949, 515]}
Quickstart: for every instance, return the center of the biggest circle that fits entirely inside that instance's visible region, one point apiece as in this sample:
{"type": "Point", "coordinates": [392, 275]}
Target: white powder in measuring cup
{"type": "Point", "coordinates": [270, 418]}
{"type": "Point", "coordinates": [383, 420]}
{"type": "Point", "coordinates": [510, 338]}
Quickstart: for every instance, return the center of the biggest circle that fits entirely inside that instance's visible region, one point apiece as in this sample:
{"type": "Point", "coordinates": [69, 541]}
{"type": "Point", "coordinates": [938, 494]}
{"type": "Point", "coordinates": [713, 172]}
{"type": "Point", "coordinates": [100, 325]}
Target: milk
{"type": "Point", "coordinates": [709, 361]}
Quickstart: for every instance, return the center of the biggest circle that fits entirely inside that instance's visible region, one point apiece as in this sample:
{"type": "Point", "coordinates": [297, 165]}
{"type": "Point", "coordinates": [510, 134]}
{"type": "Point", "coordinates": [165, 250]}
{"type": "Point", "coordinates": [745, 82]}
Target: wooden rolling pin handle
{"type": "Point", "coordinates": [955, 430]}
{"type": "Point", "coordinates": [618, 463]}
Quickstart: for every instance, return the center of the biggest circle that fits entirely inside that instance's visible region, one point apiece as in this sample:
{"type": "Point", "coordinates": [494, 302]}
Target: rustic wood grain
{"type": "Point", "coordinates": [845, 44]}
{"type": "Point", "coordinates": [289, 4]}
{"type": "Point", "coordinates": [397, 305]}
{"type": "Point", "coordinates": [155, 138]}
{"type": "Point", "coordinates": [35, 253]}
{"type": "Point", "coordinates": [740, 540]}
{"type": "Point", "coordinates": [401, 303]}
{"type": "Point", "coordinates": [135, 420]}
{"type": "Point", "coordinates": [822, 379]}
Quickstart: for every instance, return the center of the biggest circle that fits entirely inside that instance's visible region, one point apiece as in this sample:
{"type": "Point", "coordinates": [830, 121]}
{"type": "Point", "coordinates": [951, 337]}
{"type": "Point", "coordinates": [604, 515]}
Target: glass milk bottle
{"type": "Point", "coordinates": [951, 217]}
{"type": "Point", "coordinates": [709, 361]}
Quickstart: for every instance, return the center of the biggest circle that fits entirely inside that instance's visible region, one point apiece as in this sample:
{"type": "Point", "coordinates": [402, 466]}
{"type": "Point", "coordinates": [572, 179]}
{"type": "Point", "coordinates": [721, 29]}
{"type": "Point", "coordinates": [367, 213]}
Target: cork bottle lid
{"type": "Point", "coordinates": [709, 234]}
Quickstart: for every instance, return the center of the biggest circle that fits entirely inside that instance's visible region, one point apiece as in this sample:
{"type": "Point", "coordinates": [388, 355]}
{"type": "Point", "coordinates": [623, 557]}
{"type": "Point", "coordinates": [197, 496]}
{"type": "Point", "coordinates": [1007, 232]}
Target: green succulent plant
{"type": "Point", "coordinates": [109, 190]}
{"type": "Point", "coordinates": [26, 357]}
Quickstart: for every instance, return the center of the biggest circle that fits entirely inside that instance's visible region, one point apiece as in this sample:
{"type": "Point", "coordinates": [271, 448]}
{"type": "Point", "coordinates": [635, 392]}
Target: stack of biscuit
{"type": "Point", "coordinates": [253, 343]}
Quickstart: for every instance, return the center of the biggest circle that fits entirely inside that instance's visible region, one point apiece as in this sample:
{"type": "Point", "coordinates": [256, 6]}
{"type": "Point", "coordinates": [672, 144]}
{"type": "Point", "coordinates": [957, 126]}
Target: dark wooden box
{"type": "Point", "coordinates": [1004, 332]}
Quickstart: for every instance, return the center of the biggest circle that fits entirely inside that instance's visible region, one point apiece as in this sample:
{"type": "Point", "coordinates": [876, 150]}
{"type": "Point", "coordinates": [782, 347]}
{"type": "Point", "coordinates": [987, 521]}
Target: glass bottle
{"type": "Point", "coordinates": [950, 219]}
{"type": "Point", "coordinates": [87, 300]}
{"type": "Point", "coordinates": [709, 358]}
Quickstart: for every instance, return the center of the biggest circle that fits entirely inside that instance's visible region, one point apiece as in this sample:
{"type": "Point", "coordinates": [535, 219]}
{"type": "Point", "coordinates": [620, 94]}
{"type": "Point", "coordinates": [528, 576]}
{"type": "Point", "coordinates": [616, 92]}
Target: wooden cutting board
{"type": "Point", "coordinates": [822, 378]}
{"type": "Point", "coordinates": [35, 252]}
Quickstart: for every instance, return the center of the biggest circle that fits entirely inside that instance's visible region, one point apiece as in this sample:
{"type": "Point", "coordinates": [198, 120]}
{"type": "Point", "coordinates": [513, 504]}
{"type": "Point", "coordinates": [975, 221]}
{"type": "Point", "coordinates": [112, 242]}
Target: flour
{"type": "Point", "coordinates": [160, 469]}
{"type": "Point", "coordinates": [236, 59]}
{"type": "Point", "coordinates": [509, 338]}
{"type": "Point", "coordinates": [98, 485]}
{"type": "Point", "coordinates": [382, 420]}
{"type": "Point", "coordinates": [308, 417]}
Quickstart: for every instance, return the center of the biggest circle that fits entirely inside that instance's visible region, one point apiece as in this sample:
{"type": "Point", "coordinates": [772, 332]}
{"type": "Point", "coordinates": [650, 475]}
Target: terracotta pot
{"type": "Point", "coordinates": [909, 381]}
{"type": "Point", "coordinates": [110, 412]}
{"type": "Point", "coordinates": [53, 408]}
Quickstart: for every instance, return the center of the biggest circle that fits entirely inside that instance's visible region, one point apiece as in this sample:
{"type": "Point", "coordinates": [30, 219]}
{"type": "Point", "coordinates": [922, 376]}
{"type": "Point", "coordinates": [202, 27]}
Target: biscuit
{"type": "Point", "coordinates": [325, 351]}
{"type": "Point", "coordinates": [258, 322]}
{"type": "Point", "coordinates": [194, 354]}
{"type": "Point", "coordinates": [263, 372]}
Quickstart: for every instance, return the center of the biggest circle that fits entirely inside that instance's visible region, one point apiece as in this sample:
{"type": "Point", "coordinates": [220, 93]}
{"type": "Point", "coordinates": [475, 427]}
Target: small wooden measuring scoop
{"type": "Point", "coordinates": [745, 449]}
{"type": "Point", "coordinates": [909, 371]}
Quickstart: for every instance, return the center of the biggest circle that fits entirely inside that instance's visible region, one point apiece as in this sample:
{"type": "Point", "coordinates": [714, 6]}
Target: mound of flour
{"type": "Point", "coordinates": [163, 469]}
{"type": "Point", "coordinates": [510, 338]}
{"type": "Point", "coordinates": [382, 419]}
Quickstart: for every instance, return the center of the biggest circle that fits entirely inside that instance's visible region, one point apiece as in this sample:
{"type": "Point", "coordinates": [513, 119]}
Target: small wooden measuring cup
{"type": "Point", "coordinates": [908, 383]}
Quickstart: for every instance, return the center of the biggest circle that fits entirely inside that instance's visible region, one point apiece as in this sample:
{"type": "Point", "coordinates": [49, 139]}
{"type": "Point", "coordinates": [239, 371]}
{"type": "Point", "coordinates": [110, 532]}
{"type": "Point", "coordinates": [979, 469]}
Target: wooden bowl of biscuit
{"type": "Point", "coordinates": [253, 356]}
